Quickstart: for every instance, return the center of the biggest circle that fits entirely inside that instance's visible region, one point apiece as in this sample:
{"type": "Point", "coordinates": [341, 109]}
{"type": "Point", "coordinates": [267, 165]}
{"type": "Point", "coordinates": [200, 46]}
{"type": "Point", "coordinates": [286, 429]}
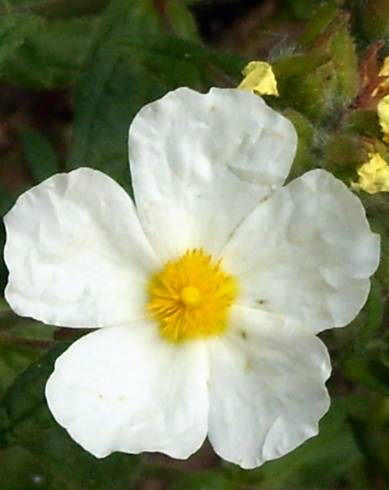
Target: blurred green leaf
{"type": "Point", "coordinates": [13, 361]}
{"type": "Point", "coordinates": [303, 9]}
{"type": "Point", "coordinates": [373, 313]}
{"type": "Point", "coordinates": [206, 480]}
{"type": "Point", "coordinates": [180, 19]}
{"type": "Point", "coordinates": [39, 153]}
{"type": "Point", "coordinates": [25, 399]}
{"type": "Point", "coordinates": [345, 59]}
{"type": "Point", "coordinates": [343, 152]}
{"type": "Point", "coordinates": [368, 370]}
{"type": "Point", "coordinates": [369, 421]}
{"type": "Point", "coordinates": [22, 341]}
{"type": "Point", "coordinates": [305, 83]}
{"type": "Point", "coordinates": [362, 121]}
{"type": "Point", "coordinates": [53, 56]}
{"type": "Point", "coordinates": [377, 208]}
{"type": "Point", "coordinates": [304, 159]}
{"type": "Point", "coordinates": [6, 200]}
{"type": "Point", "coordinates": [179, 62]}
{"type": "Point", "coordinates": [374, 16]}
{"type": "Point", "coordinates": [21, 471]}
{"type": "Point", "coordinates": [14, 29]}
{"type": "Point", "coordinates": [55, 9]}
{"type": "Point", "coordinates": [319, 22]}
{"type": "Point", "coordinates": [322, 79]}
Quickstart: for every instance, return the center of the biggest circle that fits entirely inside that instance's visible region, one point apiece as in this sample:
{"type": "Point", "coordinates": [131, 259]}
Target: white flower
{"type": "Point", "coordinates": [209, 293]}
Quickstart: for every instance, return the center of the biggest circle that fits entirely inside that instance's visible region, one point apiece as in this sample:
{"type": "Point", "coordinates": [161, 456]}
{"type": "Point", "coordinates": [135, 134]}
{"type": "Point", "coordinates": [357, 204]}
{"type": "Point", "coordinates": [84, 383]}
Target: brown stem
{"type": "Point", "coordinates": [7, 339]}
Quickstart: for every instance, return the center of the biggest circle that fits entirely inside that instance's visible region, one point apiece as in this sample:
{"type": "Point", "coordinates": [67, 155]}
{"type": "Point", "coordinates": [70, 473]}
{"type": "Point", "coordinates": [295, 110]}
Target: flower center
{"type": "Point", "coordinates": [190, 297]}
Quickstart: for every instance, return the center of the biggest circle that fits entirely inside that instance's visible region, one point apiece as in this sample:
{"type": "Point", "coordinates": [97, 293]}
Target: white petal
{"type": "Point", "coordinates": [125, 389]}
{"type": "Point", "coordinates": [307, 253]}
{"type": "Point", "coordinates": [200, 163]}
{"type": "Point", "coordinates": [267, 389]}
{"type": "Point", "coordinates": [76, 252]}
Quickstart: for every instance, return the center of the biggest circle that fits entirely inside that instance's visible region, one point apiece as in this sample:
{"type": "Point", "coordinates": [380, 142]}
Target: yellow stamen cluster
{"type": "Point", "coordinates": [191, 296]}
{"type": "Point", "coordinates": [373, 176]}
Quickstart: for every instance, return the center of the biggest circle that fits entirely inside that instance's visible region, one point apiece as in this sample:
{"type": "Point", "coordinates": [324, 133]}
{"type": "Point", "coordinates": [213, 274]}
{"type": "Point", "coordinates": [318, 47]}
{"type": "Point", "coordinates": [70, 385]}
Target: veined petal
{"type": "Point", "coordinates": [306, 253]}
{"type": "Point", "coordinates": [76, 253]}
{"type": "Point", "coordinates": [267, 389]}
{"type": "Point", "coordinates": [125, 389]}
{"type": "Point", "coordinates": [191, 153]}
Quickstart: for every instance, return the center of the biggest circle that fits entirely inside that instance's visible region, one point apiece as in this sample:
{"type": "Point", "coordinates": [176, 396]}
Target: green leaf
{"type": "Point", "coordinates": [53, 56]}
{"type": "Point", "coordinates": [369, 371]}
{"type": "Point", "coordinates": [206, 480]}
{"type": "Point", "coordinates": [14, 29]}
{"type": "Point", "coordinates": [306, 83]}
{"type": "Point", "coordinates": [373, 314]}
{"type": "Point", "coordinates": [304, 159]}
{"type": "Point", "coordinates": [39, 153]}
{"type": "Point", "coordinates": [363, 122]}
{"type": "Point", "coordinates": [55, 9]}
{"type": "Point", "coordinates": [179, 62]}
{"type": "Point", "coordinates": [322, 79]}
{"type": "Point", "coordinates": [24, 400]}
{"type": "Point", "coordinates": [22, 471]}
{"type": "Point", "coordinates": [322, 18]}
{"type": "Point", "coordinates": [345, 59]}
{"type": "Point", "coordinates": [25, 421]}
{"type": "Point", "coordinates": [21, 342]}
{"type": "Point", "coordinates": [343, 152]}
{"type": "Point", "coordinates": [368, 418]}
{"type": "Point", "coordinates": [377, 208]}
{"type": "Point", "coordinates": [303, 9]}
{"type": "Point", "coordinates": [13, 361]}
{"type": "Point", "coordinates": [374, 17]}
{"type": "Point", "coordinates": [181, 19]}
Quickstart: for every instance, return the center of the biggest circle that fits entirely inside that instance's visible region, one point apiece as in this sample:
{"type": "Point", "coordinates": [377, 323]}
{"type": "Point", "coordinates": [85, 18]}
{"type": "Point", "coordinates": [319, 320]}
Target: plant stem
{"type": "Point", "coordinates": [13, 340]}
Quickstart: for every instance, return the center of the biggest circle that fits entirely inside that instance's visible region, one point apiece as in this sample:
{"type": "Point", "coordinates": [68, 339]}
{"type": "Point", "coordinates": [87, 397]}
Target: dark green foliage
{"type": "Point", "coordinates": [14, 30]}
{"type": "Point", "coordinates": [40, 155]}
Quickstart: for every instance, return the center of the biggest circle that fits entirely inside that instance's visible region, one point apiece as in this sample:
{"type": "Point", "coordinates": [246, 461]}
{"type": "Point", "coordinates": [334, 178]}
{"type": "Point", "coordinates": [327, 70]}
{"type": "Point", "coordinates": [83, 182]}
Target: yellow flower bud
{"type": "Point", "coordinates": [383, 116]}
{"type": "Point", "coordinates": [384, 72]}
{"type": "Point", "coordinates": [373, 176]}
{"type": "Point", "coordinates": [259, 78]}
